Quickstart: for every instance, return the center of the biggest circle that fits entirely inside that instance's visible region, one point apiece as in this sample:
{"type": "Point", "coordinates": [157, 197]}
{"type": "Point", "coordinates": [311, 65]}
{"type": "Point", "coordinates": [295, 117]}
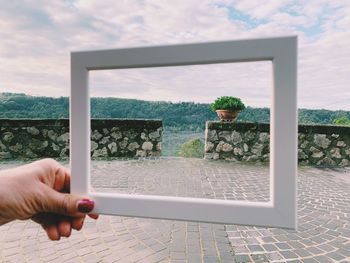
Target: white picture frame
{"type": "Point", "coordinates": [280, 211]}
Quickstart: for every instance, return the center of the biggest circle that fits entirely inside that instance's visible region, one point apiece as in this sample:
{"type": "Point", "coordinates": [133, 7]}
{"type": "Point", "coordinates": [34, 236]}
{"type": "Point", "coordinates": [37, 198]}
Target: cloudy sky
{"type": "Point", "coordinates": [36, 38]}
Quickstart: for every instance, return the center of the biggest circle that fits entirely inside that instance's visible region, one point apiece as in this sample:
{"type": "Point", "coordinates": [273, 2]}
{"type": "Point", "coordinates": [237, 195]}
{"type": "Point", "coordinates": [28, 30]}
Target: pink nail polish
{"type": "Point", "coordinates": [85, 205]}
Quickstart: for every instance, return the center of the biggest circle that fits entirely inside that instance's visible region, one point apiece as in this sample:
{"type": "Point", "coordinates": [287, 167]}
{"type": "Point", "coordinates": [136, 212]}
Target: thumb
{"type": "Point", "coordinates": [67, 204]}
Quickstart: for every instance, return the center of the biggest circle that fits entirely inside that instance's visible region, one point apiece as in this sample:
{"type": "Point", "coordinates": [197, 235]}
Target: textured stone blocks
{"type": "Point", "coordinates": [28, 139]}
{"type": "Point", "coordinates": [317, 144]}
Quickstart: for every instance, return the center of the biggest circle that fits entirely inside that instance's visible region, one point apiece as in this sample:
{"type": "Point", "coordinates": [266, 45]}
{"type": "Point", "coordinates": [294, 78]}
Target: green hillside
{"type": "Point", "coordinates": [182, 115]}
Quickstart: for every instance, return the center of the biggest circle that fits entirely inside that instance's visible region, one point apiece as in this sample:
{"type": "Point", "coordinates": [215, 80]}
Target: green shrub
{"type": "Point", "coordinates": [227, 103]}
{"type": "Point", "coordinates": [193, 148]}
{"type": "Point", "coordinates": [342, 121]}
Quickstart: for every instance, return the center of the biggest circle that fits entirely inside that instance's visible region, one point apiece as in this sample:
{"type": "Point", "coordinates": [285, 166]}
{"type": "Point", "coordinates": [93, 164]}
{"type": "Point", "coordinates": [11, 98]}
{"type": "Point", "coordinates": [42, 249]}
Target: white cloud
{"type": "Point", "coordinates": [37, 36]}
{"type": "Point", "coordinates": [288, 20]}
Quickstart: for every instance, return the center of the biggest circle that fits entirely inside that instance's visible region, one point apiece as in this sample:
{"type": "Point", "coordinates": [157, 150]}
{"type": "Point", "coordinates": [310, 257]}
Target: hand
{"type": "Point", "coordinates": [40, 191]}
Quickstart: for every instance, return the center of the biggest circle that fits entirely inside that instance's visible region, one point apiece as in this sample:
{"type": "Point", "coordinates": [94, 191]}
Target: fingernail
{"type": "Point", "coordinates": [85, 205]}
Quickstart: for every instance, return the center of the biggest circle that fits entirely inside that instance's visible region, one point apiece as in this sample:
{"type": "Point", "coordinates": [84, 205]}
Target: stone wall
{"type": "Point", "coordinates": [38, 138]}
{"type": "Point", "coordinates": [317, 144]}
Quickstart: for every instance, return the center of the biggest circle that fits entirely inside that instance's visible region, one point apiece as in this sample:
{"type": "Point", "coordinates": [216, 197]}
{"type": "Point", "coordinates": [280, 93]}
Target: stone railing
{"type": "Point", "coordinates": [317, 144]}
{"type": "Point", "coordinates": [28, 139]}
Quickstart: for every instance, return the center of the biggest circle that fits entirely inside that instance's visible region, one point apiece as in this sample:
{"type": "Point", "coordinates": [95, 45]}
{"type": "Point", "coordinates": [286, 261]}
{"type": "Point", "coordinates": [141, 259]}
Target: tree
{"type": "Point", "coordinates": [344, 120]}
{"type": "Point", "coordinates": [192, 149]}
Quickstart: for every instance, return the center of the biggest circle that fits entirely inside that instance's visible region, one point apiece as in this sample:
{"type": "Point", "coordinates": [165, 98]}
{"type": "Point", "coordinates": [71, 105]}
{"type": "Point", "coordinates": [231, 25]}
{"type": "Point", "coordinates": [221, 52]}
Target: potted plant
{"type": "Point", "coordinates": [227, 108]}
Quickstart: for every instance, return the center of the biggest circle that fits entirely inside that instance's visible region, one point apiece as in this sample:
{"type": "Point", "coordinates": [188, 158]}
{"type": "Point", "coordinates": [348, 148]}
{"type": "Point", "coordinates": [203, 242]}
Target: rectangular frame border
{"type": "Point", "coordinates": [281, 211]}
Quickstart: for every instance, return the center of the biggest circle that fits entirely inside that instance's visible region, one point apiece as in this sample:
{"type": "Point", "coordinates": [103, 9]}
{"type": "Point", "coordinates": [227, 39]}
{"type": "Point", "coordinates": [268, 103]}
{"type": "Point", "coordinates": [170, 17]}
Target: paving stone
{"type": "Point", "coordinates": [194, 257]}
{"type": "Point", "coordinates": [282, 246]}
{"type": "Point", "coordinates": [242, 258]}
{"type": "Point", "coordinates": [270, 247]}
{"type": "Point", "coordinates": [288, 254]}
{"type": "Point", "coordinates": [268, 239]}
{"type": "Point", "coordinates": [336, 256]}
{"type": "Point", "coordinates": [240, 249]}
{"type": "Point", "coordinates": [154, 258]}
{"type": "Point", "coordinates": [315, 250]}
{"type": "Point", "coordinates": [295, 244]}
{"type": "Point", "coordinates": [255, 248]}
{"type": "Point", "coordinates": [309, 260]}
{"type": "Point", "coordinates": [344, 252]}
{"type": "Point", "coordinates": [259, 258]}
{"type": "Point", "coordinates": [83, 251]}
{"type": "Point", "coordinates": [326, 248]}
{"type": "Point", "coordinates": [211, 259]}
{"type": "Point", "coordinates": [323, 259]}
{"type": "Point", "coordinates": [178, 255]}
{"type": "Point", "coordinates": [14, 258]}
{"type": "Point", "coordinates": [302, 252]}
{"type": "Point", "coordinates": [135, 257]}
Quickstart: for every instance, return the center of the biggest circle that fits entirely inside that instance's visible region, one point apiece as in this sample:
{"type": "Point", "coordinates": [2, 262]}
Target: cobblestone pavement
{"type": "Point", "coordinates": [323, 205]}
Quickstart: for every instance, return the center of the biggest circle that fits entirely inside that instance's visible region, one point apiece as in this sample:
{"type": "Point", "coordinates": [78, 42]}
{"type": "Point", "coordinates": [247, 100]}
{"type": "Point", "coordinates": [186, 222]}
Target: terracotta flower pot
{"type": "Point", "coordinates": [227, 115]}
